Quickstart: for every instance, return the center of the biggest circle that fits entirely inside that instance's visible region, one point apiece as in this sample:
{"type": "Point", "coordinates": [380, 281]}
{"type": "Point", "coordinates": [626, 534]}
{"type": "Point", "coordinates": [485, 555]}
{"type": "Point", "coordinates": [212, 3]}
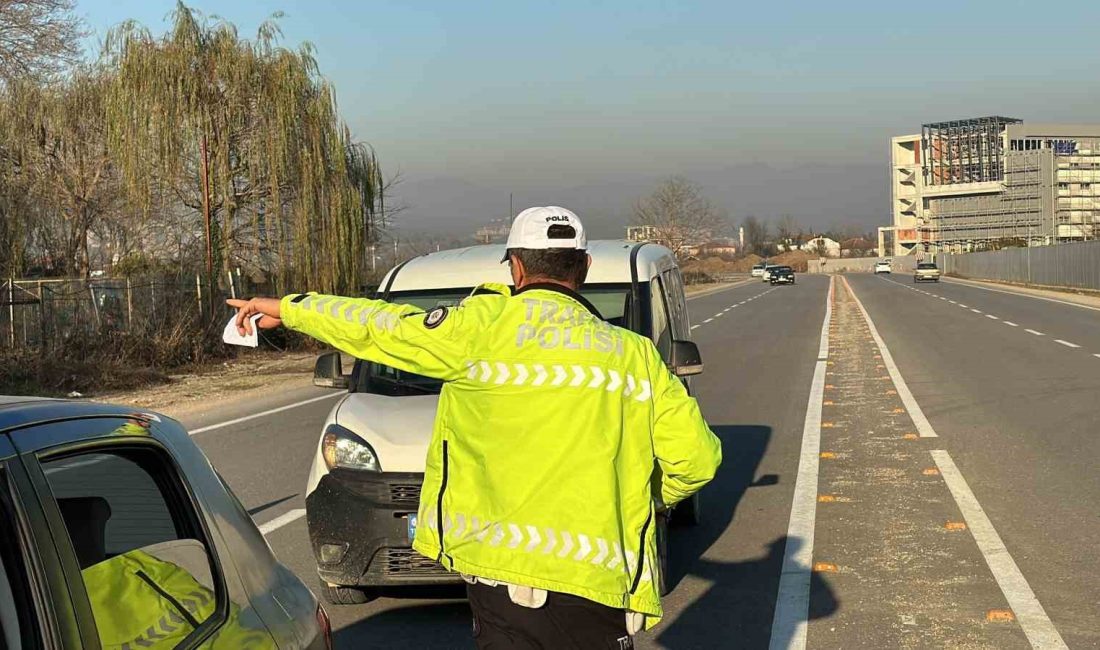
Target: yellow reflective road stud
{"type": "Point", "coordinates": [550, 427]}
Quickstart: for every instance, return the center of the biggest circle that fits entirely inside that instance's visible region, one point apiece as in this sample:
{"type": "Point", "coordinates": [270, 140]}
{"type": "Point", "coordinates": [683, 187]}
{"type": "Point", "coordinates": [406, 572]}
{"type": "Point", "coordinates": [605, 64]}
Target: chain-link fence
{"type": "Point", "coordinates": [1074, 265]}
{"type": "Point", "coordinates": [45, 313]}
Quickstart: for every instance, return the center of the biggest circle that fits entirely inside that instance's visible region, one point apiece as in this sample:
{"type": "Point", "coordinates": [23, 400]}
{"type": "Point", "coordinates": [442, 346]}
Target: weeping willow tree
{"type": "Point", "coordinates": [245, 134]}
{"type": "Point", "coordinates": [57, 176]}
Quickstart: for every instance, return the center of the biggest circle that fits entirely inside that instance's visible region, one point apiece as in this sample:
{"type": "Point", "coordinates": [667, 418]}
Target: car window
{"type": "Point", "coordinates": [134, 531]}
{"type": "Point", "coordinates": [17, 624]}
{"type": "Point", "coordinates": [662, 335]}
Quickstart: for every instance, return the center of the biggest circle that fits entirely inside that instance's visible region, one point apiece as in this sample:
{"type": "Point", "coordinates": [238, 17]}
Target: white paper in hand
{"type": "Point", "coordinates": [232, 337]}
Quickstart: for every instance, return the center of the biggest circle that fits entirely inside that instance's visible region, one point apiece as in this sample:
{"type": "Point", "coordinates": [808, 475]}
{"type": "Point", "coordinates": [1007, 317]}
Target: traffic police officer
{"type": "Point", "coordinates": [557, 439]}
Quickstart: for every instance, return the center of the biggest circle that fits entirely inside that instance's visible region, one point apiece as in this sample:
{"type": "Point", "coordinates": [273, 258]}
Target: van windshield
{"type": "Point", "coordinates": [611, 300]}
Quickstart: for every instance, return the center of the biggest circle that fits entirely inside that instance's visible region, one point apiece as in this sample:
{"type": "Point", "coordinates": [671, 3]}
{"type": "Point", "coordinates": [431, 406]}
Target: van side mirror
{"type": "Point", "coordinates": [328, 372]}
{"type": "Point", "coordinates": [686, 360]}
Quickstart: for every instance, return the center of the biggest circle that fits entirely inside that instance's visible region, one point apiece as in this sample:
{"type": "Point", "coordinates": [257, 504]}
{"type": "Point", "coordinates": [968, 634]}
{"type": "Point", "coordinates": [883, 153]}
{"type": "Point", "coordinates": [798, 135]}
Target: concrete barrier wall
{"type": "Point", "coordinates": [1075, 265]}
{"type": "Point", "coordinates": [859, 265]}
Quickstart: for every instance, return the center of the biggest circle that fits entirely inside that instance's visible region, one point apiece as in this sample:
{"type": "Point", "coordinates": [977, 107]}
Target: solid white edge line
{"type": "Point", "coordinates": [792, 602]}
{"type": "Point", "coordinates": [1029, 613]}
{"type": "Point", "coordinates": [919, 420]}
{"type": "Point", "coordinates": [282, 520]}
{"type": "Point", "coordinates": [1019, 293]}
{"type": "Point", "coordinates": [1067, 343]}
{"type": "Point", "coordinates": [267, 412]}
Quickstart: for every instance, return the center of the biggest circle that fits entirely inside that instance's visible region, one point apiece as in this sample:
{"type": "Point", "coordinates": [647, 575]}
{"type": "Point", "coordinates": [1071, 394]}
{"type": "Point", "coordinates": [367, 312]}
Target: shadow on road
{"type": "Point", "coordinates": [270, 504]}
{"type": "Point", "coordinates": [435, 625]}
{"type": "Point", "coordinates": [737, 608]}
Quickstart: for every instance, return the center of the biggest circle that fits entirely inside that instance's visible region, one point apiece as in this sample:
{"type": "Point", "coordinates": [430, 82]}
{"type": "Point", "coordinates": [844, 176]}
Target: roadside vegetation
{"type": "Point", "coordinates": [197, 162]}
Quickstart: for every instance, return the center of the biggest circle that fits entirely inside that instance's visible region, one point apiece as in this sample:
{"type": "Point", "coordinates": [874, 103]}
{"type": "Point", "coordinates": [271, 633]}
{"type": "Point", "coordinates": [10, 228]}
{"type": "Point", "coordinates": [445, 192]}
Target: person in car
{"type": "Point", "coordinates": [541, 484]}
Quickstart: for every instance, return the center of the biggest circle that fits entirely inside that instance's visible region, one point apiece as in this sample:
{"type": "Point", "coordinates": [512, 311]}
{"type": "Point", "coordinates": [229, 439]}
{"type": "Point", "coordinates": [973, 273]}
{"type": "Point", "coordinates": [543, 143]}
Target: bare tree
{"type": "Point", "coordinates": [678, 215]}
{"type": "Point", "coordinates": [756, 234]}
{"type": "Point", "coordinates": [37, 37]}
{"type": "Point", "coordinates": [787, 230]}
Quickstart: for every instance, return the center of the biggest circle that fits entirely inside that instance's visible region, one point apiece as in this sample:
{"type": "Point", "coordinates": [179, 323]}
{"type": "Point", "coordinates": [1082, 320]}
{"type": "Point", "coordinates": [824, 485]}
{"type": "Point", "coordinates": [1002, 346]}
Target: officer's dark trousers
{"type": "Point", "coordinates": [564, 623]}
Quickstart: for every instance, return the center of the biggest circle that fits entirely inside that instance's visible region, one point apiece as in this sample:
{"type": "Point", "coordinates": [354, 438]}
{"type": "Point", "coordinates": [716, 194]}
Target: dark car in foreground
{"type": "Point", "coordinates": [115, 532]}
{"type": "Point", "coordinates": [781, 275]}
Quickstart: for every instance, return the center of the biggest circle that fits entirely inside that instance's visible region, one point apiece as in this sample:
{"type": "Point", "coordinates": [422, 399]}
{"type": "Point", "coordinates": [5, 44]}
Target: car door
{"type": "Point", "coordinates": [125, 520]}
{"type": "Point", "coordinates": [33, 613]}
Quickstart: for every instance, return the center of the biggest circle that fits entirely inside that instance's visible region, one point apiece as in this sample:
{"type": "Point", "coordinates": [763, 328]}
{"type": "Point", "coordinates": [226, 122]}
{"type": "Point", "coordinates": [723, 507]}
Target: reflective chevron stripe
{"type": "Point", "coordinates": [560, 376]}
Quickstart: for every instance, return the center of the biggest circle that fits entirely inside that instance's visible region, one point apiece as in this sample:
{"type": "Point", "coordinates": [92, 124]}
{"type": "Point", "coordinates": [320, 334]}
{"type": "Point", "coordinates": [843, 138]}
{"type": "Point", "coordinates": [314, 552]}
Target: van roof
{"type": "Point", "coordinates": [474, 265]}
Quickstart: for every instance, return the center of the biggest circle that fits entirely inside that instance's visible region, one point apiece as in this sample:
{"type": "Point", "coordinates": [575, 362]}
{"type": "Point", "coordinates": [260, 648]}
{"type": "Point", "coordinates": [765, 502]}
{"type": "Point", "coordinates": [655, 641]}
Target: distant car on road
{"type": "Point", "coordinates": [364, 486]}
{"type": "Point", "coordinates": [767, 275]}
{"type": "Point", "coordinates": [883, 266]}
{"type": "Point", "coordinates": [758, 270]}
{"type": "Point", "coordinates": [926, 271]}
{"type": "Point", "coordinates": [781, 275]}
{"type": "Point", "coordinates": [97, 501]}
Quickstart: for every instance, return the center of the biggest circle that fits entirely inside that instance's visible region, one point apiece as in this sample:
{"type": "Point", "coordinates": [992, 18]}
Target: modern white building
{"type": "Point", "coordinates": [969, 184]}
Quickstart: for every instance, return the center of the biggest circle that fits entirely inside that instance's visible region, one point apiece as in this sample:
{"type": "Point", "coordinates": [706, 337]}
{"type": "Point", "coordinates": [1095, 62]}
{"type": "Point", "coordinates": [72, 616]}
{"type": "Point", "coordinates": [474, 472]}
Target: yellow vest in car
{"type": "Point", "coordinates": [556, 433]}
{"type": "Point", "coordinates": [139, 601]}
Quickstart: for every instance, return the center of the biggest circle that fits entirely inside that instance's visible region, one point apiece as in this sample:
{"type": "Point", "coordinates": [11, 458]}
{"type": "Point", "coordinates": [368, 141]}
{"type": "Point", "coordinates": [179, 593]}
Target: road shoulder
{"type": "Point", "coordinates": [1068, 296]}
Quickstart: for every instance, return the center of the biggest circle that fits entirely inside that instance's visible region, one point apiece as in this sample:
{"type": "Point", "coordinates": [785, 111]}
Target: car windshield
{"type": "Point", "coordinates": [612, 301]}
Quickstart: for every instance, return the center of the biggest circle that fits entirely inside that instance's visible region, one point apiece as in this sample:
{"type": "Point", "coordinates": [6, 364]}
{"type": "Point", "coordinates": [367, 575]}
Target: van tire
{"type": "Point", "coordinates": [688, 512]}
{"type": "Point", "coordinates": [340, 595]}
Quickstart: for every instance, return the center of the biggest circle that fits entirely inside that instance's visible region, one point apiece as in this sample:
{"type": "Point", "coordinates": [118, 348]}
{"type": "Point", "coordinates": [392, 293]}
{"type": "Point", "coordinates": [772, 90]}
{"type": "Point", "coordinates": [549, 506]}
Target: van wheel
{"type": "Point", "coordinates": [340, 595]}
{"type": "Point", "coordinates": [688, 512]}
{"type": "Point", "coordinates": [662, 555]}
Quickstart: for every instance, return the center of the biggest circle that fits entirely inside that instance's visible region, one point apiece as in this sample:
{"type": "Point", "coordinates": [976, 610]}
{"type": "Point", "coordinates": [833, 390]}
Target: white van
{"type": "Point", "coordinates": [361, 511]}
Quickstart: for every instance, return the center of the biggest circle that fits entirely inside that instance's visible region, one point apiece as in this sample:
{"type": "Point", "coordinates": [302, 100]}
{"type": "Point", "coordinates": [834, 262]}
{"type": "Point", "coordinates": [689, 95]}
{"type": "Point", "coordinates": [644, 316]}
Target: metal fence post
{"type": "Point", "coordinates": [41, 315]}
{"type": "Point", "coordinates": [129, 304]}
{"type": "Point", "coordinates": [11, 310]}
{"type": "Point", "coordinates": [198, 292]}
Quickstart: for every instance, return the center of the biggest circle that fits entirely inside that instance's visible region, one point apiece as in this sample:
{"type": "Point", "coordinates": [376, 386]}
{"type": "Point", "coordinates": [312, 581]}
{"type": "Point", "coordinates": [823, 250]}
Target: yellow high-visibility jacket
{"type": "Point", "coordinates": [551, 426]}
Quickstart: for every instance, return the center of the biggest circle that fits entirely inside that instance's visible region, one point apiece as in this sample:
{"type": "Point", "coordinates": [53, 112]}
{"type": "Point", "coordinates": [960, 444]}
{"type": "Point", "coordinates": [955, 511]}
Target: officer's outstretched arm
{"type": "Point", "coordinates": [688, 453]}
{"type": "Point", "coordinates": [402, 336]}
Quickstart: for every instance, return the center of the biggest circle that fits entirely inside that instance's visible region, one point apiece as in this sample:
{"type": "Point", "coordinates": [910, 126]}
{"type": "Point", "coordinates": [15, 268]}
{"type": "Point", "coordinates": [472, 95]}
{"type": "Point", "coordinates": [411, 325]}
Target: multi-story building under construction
{"type": "Point", "coordinates": [969, 184]}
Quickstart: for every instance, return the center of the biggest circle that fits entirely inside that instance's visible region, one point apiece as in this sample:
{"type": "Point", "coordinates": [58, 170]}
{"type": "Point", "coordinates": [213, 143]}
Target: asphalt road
{"type": "Point", "coordinates": [1014, 411]}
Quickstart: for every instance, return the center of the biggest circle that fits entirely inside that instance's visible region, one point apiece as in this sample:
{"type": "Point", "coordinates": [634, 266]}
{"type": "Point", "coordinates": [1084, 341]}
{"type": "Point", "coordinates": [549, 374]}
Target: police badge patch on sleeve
{"type": "Point", "coordinates": [436, 316]}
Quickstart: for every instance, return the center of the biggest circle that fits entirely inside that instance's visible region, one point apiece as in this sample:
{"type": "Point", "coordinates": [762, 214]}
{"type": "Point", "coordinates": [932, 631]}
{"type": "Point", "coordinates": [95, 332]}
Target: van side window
{"type": "Point", "coordinates": [134, 531]}
{"type": "Point", "coordinates": [662, 334]}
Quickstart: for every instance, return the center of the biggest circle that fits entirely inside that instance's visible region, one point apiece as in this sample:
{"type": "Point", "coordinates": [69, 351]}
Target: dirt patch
{"type": "Point", "coordinates": [207, 386]}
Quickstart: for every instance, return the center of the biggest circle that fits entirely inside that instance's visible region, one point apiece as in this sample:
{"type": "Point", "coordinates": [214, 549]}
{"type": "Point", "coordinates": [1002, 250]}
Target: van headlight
{"type": "Point", "coordinates": [342, 448]}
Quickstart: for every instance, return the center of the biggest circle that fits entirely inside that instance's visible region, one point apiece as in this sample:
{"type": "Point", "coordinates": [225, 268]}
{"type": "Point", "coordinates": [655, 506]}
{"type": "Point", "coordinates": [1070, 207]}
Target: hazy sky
{"type": "Point", "coordinates": [497, 96]}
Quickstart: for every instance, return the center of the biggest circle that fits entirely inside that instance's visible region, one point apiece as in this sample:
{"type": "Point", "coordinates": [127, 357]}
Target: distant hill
{"type": "Point", "coordinates": [817, 195]}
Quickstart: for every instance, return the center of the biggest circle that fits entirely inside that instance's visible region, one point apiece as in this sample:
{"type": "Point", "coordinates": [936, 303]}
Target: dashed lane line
{"type": "Point", "coordinates": [1009, 323]}
{"type": "Point", "coordinates": [1022, 295]}
{"type": "Point", "coordinates": [261, 414]}
{"type": "Point", "coordinates": [992, 316]}
{"type": "Point", "coordinates": [708, 320]}
{"type": "Point", "coordinates": [792, 603]}
{"type": "Point", "coordinates": [976, 311]}
{"type": "Point", "coordinates": [1029, 612]}
{"type": "Point", "coordinates": [923, 427]}
{"type": "Point", "coordinates": [1067, 343]}
{"type": "Point", "coordinates": [282, 520]}
{"type": "Point", "coordinates": [1036, 333]}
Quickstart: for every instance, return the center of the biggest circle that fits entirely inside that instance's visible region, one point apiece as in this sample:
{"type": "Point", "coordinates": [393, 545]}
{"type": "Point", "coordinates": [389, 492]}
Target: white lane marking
{"type": "Point", "coordinates": [1097, 356]}
{"type": "Point", "coordinates": [976, 311]}
{"type": "Point", "coordinates": [943, 298]}
{"type": "Point", "coordinates": [964, 306]}
{"type": "Point", "coordinates": [919, 420]}
{"type": "Point", "coordinates": [267, 412]}
{"type": "Point", "coordinates": [708, 320]}
{"type": "Point", "coordinates": [694, 327]}
{"type": "Point", "coordinates": [720, 314]}
{"type": "Point", "coordinates": [992, 316]}
{"type": "Point", "coordinates": [1035, 333]}
{"type": "Point", "coordinates": [1024, 295]}
{"type": "Point", "coordinates": [1009, 323]}
{"type": "Point", "coordinates": [952, 302]}
{"type": "Point", "coordinates": [282, 520]}
{"type": "Point", "coordinates": [709, 292]}
{"type": "Point", "coordinates": [792, 603]}
{"type": "Point", "coordinates": [1067, 343]}
{"type": "Point", "coordinates": [1029, 613]}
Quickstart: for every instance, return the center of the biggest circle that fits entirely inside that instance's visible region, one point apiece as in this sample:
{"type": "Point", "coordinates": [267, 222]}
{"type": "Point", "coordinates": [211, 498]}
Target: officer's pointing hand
{"type": "Point", "coordinates": [246, 309]}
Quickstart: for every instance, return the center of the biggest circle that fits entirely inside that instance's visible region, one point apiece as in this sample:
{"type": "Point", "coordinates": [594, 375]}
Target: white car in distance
{"type": "Point", "coordinates": [882, 266]}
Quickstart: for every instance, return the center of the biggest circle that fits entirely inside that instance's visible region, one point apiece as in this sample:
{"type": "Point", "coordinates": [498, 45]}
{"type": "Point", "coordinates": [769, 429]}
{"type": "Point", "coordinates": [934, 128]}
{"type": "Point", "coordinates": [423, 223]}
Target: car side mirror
{"type": "Point", "coordinates": [328, 372]}
{"type": "Point", "coordinates": [686, 360]}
